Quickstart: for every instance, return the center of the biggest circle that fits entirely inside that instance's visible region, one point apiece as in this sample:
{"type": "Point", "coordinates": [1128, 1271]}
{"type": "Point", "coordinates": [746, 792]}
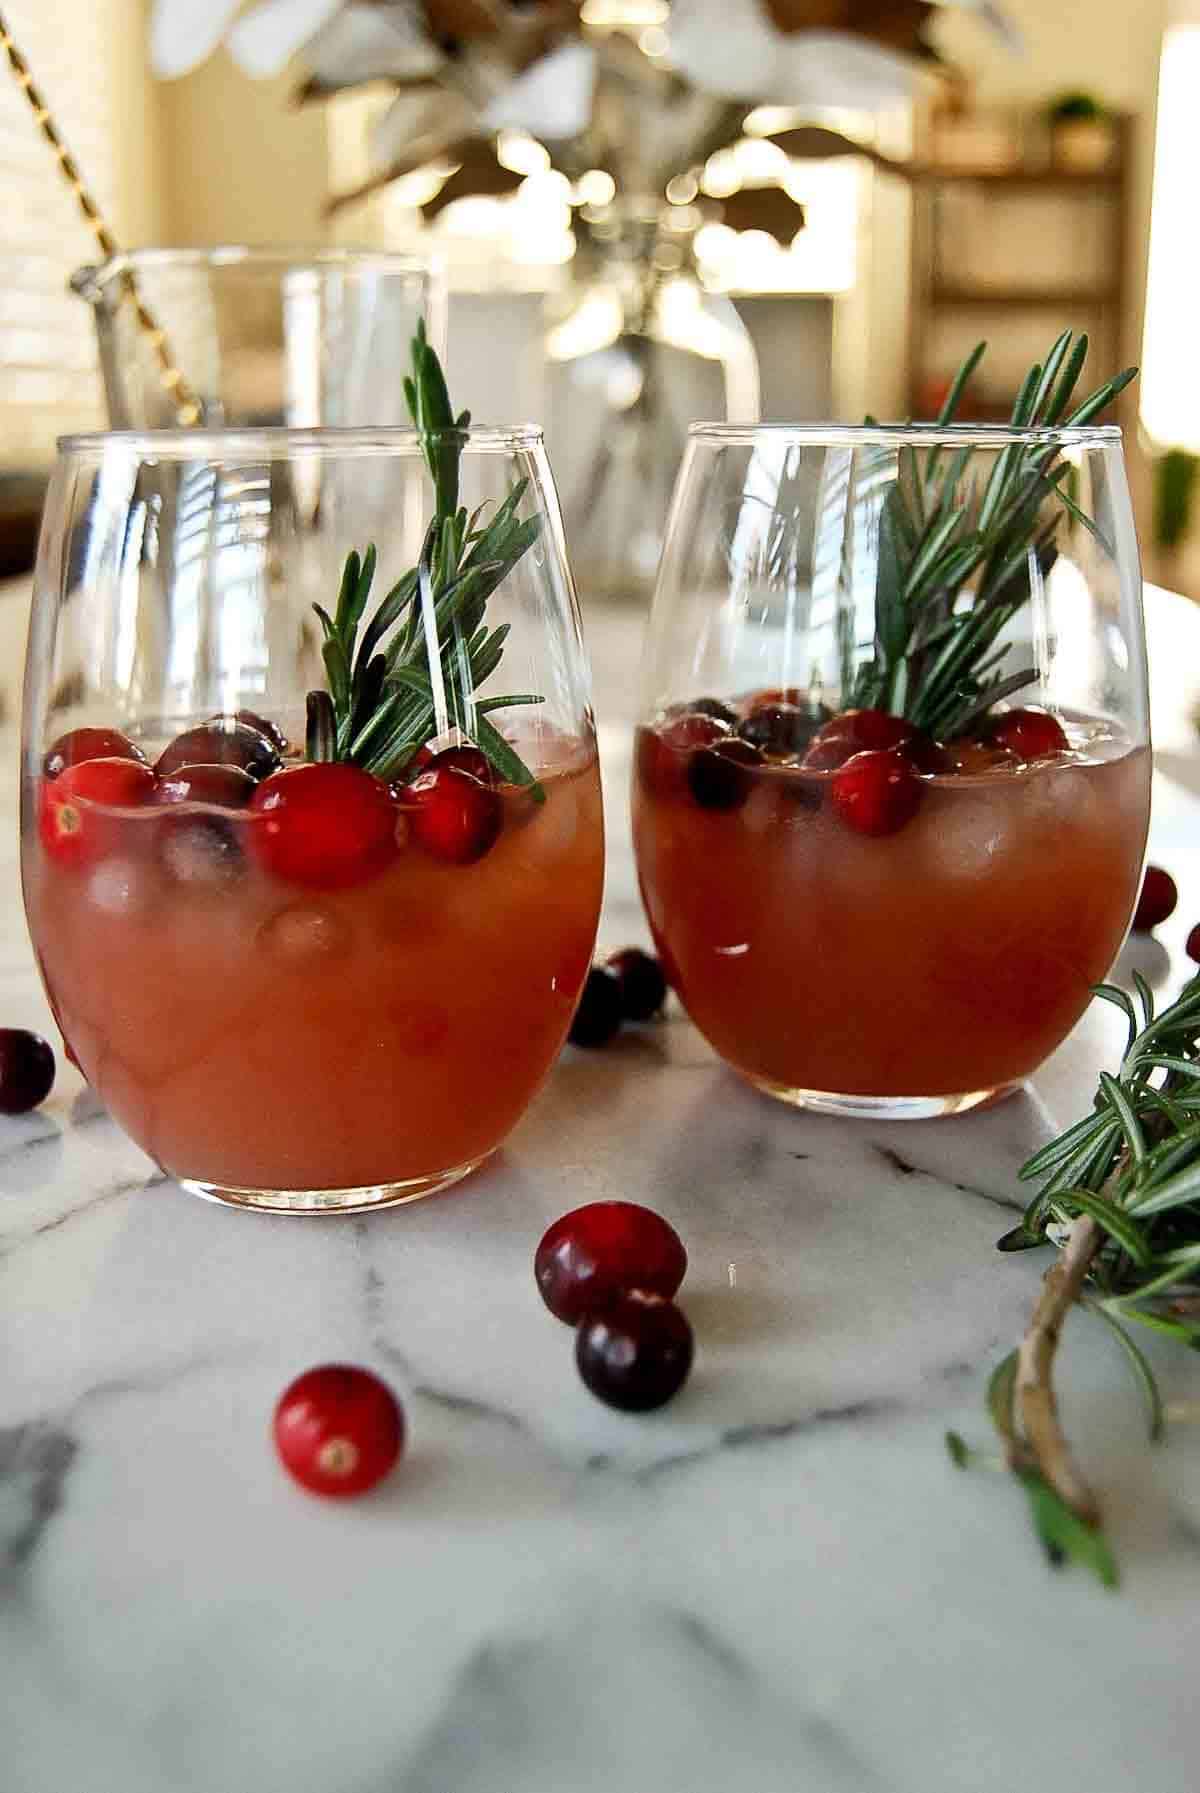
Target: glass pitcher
{"type": "Point", "coordinates": [299, 337]}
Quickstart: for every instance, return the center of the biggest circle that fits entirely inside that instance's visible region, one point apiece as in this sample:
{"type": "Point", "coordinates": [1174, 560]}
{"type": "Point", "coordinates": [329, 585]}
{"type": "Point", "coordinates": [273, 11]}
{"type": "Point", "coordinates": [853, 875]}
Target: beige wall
{"type": "Point", "coordinates": [242, 164]}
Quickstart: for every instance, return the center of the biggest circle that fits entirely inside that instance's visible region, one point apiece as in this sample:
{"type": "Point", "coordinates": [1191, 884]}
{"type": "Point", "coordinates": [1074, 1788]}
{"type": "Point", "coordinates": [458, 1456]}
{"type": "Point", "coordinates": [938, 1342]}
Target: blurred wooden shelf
{"type": "Point", "coordinates": [1045, 179]}
{"type": "Point", "coordinates": [1028, 296]}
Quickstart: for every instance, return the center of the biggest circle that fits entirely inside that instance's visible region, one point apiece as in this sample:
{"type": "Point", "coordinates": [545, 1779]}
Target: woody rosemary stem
{"type": "Point", "coordinates": [1044, 1445]}
{"type": "Point", "coordinates": [187, 405]}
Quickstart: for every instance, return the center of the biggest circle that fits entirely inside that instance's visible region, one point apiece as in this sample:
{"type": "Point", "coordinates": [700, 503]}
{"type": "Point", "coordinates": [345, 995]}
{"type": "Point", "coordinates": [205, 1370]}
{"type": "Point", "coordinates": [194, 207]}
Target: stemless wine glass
{"type": "Point", "coordinates": [891, 786]}
{"type": "Point", "coordinates": [308, 986]}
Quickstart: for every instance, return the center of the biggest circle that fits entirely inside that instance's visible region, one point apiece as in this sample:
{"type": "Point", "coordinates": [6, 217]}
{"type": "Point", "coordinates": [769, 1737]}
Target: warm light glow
{"type": "Point", "coordinates": [682, 189]}
{"type": "Point", "coordinates": [653, 42]}
{"type": "Point", "coordinates": [596, 187]}
{"type": "Point", "coordinates": [765, 120]}
{"type": "Point", "coordinates": [1170, 382]}
{"type": "Point", "coordinates": [626, 13]}
{"type": "Point", "coordinates": [521, 152]}
{"type": "Point", "coordinates": [821, 256]}
{"type": "Point", "coordinates": [721, 176]}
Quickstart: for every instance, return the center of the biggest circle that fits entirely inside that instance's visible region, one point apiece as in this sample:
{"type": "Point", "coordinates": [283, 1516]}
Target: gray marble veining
{"type": "Point", "coordinates": [777, 1583]}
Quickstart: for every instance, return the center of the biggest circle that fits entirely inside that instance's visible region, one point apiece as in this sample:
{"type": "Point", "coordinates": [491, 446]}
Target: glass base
{"type": "Point", "coordinates": [882, 1108]}
{"type": "Point", "coordinates": [330, 1201]}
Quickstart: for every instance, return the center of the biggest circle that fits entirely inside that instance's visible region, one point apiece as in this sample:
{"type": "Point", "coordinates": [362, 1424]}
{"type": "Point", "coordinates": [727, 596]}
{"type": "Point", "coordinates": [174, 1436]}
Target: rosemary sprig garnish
{"type": "Point", "coordinates": [415, 669]}
{"type": "Point", "coordinates": [1120, 1193]}
{"type": "Point", "coordinates": [957, 556]}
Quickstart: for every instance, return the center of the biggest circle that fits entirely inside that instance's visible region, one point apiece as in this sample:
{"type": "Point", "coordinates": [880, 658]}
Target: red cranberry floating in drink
{"type": "Point", "coordinates": [591, 1257]}
{"type": "Point", "coordinates": [338, 1430]}
{"type": "Point", "coordinates": [225, 742]}
{"type": "Point", "coordinates": [1157, 900]}
{"type": "Point", "coordinates": [224, 787]}
{"type": "Point", "coordinates": [780, 729]}
{"type": "Point", "coordinates": [601, 1009]}
{"type": "Point", "coordinates": [712, 706]}
{"type": "Point", "coordinates": [866, 730]}
{"type": "Point", "coordinates": [463, 759]}
{"type": "Point", "coordinates": [643, 986]}
{"type": "Point", "coordinates": [89, 744]}
{"type": "Point", "coordinates": [876, 793]}
{"type": "Point", "coordinates": [1029, 734]}
{"type": "Point", "coordinates": [827, 756]}
{"type": "Point", "coordinates": [76, 820]}
{"type": "Point", "coordinates": [973, 758]}
{"type": "Point", "coordinates": [663, 754]}
{"type": "Point", "coordinates": [325, 827]}
{"type": "Point", "coordinates": [26, 1070]}
{"type": "Point", "coordinates": [451, 814]}
{"type": "Point", "coordinates": [720, 776]}
{"type": "Point", "coordinates": [635, 1354]}
{"type": "Point", "coordinates": [264, 725]}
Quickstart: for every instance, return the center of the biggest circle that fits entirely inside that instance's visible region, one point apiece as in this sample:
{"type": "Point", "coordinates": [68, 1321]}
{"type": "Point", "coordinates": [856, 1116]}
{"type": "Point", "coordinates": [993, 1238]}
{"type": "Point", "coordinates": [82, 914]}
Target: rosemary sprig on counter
{"type": "Point", "coordinates": [957, 554]}
{"type": "Point", "coordinates": [415, 669]}
{"type": "Point", "coordinates": [1120, 1194]}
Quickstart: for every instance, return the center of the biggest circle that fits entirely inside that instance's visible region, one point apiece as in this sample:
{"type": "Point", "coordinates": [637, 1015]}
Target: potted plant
{"type": "Point", "coordinates": [1081, 133]}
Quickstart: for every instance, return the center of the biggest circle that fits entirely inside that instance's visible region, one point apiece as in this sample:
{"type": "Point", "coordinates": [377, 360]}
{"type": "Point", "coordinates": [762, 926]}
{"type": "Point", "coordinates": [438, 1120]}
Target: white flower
{"type": "Point", "coordinates": [184, 33]}
{"type": "Point", "coordinates": [264, 42]}
{"type": "Point", "coordinates": [372, 43]}
{"type": "Point", "coordinates": [551, 99]}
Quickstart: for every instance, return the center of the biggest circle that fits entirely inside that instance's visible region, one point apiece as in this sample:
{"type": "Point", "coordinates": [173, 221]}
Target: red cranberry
{"type": "Point", "coordinates": [781, 728]}
{"type": "Point", "coordinates": [225, 787]}
{"type": "Point", "coordinates": [1157, 900]}
{"type": "Point", "coordinates": [452, 815]}
{"type": "Point", "coordinates": [225, 742]}
{"type": "Point", "coordinates": [338, 1430]}
{"type": "Point", "coordinates": [1029, 734]}
{"type": "Point", "coordinates": [75, 817]}
{"type": "Point", "coordinates": [663, 752]}
{"type": "Point", "coordinates": [325, 827]}
{"type": "Point", "coordinates": [462, 759]}
{"type": "Point", "coordinates": [89, 744]}
{"type": "Point", "coordinates": [635, 1354]}
{"type": "Point", "coordinates": [263, 725]}
{"type": "Point", "coordinates": [592, 1256]}
{"type": "Point", "coordinates": [866, 730]}
{"type": "Point", "coordinates": [721, 776]}
{"type": "Point", "coordinates": [1192, 947]}
{"type": "Point", "coordinates": [26, 1070]}
{"type": "Point", "coordinates": [601, 1009]}
{"type": "Point", "coordinates": [710, 706]}
{"type": "Point", "coordinates": [827, 756]}
{"type": "Point", "coordinates": [876, 792]}
{"type": "Point", "coordinates": [643, 986]}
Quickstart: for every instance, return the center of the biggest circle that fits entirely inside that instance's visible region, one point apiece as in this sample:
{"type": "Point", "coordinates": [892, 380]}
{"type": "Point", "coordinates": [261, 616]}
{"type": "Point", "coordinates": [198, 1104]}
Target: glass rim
{"type": "Point", "coordinates": [277, 442]}
{"type": "Point", "coordinates": [257, 257]}
{"type": "Point", "coordinates": [908, 435]}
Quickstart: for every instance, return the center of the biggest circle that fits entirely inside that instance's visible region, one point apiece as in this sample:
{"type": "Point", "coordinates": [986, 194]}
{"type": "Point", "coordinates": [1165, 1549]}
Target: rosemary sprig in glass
{"type": "Point", "coordinates": [1120, 1194]}
{"type": "Point", "coordinates": [415, 669]}
{"type": "Point", "coordinates": [955, 554]}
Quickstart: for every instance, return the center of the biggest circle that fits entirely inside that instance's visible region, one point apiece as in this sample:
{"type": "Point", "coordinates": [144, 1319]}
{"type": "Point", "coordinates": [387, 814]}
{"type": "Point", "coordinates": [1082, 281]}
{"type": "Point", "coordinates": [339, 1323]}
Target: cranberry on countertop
{"type": "Point", "coordinates": [589, 1258]}
{"type": "Point", "coordinates": [325, 827]}
{"type": "Point", "coordinates": [876, 793]}
{"type": "Point", "coordinates": [26, 1070]}
{"type": "Point", "coordinates": [338, 1430]}
{"type": "Point", "coordinates": [643, 986]}
{"type": "Point", "coordinates": [1156, 901]}
{"type": "Point", "coordinates": [635, 1354]}
{"type": "Point", "coordinates": [1193, 944]}
{"type": "Point", "coordinates": [601, 1009]}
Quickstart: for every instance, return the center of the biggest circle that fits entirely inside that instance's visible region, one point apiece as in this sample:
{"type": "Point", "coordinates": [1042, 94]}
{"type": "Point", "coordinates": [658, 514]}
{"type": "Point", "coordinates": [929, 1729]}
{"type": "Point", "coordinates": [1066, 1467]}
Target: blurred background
{"type": "Point", "coordinates": [647, 213]}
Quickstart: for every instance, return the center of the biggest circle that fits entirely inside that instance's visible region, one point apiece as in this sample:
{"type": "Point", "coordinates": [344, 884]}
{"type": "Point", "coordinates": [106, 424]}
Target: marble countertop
{"type": "Point", "coordinates": [777, 1583]}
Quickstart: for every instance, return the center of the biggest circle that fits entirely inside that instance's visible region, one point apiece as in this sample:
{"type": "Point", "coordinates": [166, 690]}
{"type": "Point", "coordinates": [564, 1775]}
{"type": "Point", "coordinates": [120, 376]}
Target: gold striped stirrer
{"type": "Point", "coordinates": [187, 405]}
